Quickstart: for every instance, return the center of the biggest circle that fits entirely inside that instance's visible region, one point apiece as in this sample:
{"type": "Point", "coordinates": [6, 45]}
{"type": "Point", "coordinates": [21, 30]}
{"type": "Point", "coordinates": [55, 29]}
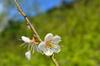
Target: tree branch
{"type": "Point", "coordinates": [35, 34]}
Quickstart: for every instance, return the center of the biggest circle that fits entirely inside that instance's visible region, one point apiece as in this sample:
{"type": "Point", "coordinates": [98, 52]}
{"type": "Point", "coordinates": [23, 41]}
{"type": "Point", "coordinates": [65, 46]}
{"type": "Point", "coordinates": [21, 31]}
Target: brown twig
{"type": "Point", "coordinates": [35, 34]}
{"type": "Point", "coordinates": [54, 60]}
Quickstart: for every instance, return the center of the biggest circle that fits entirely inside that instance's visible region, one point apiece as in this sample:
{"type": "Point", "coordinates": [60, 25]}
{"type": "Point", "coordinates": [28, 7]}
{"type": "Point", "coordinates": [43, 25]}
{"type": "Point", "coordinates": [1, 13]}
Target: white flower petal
{"type": "Point", "coordinates": [38, 50]}
{"type": "Point", "coordinates": [56, 49]}
{"type": "Point", "coordinates": [56, 39]}
{"type": "Point", "coordinates": [48, 52]}
{"type": "Point", "coordinates": [25, 39]}
{"type": "Point", "coordinates": [28, 55]}
{"type": "Point", "coordinates": [41, 46]}
{"type": "Point", "coordinates": [48, 37]}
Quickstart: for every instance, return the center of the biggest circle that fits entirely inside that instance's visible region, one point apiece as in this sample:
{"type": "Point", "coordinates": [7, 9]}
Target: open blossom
{"type": "Point", "coordinates": [50, 44]}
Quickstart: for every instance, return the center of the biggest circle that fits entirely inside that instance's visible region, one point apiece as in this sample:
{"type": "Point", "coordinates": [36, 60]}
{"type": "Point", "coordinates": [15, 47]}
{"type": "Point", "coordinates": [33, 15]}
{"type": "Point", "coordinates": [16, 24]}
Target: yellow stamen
{"type": "Point", "coordinates": [49, 44]}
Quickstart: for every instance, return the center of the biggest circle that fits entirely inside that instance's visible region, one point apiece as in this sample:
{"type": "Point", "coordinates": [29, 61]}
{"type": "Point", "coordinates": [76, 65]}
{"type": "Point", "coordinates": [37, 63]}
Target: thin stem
{"type": "Point", "coordinates": [54, 60]}
{"type": "Point", "coordinates": [35, 34]}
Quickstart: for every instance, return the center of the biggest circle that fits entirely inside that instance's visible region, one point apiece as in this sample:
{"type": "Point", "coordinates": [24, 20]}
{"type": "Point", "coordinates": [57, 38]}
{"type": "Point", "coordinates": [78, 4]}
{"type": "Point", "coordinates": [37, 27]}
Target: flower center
{"type": "Point", "coordinates": [49, 44]}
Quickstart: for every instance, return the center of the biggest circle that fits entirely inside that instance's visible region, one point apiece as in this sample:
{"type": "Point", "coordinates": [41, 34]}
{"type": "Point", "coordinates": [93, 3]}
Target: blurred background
{"type": "Point", "coordinates": [76, 21]}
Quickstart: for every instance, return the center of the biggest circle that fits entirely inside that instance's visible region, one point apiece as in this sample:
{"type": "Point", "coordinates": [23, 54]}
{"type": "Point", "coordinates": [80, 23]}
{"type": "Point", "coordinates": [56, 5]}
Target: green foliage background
{"type": "Point", "coordinates": [79, 27]}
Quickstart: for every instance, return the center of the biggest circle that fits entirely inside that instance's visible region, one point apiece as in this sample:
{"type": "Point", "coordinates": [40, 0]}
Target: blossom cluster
{"type": "Point", "coordinates": [48, 46]}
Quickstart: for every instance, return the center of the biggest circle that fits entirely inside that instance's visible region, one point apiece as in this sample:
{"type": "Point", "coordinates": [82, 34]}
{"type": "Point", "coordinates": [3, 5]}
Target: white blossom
{"type": "Point", "coordinates": [50, 44]}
